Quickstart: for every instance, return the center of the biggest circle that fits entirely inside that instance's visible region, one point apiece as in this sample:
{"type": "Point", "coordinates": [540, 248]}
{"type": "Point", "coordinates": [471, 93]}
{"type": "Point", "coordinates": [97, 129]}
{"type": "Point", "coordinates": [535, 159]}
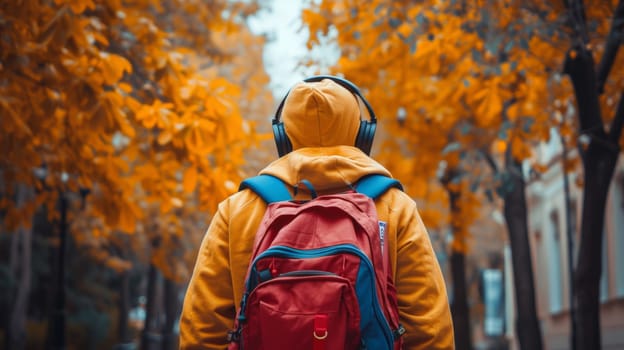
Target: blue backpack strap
{"type": "Point", "coordinates": [375, 185]}
{"type": "Point", "coordinates": [268, 187]}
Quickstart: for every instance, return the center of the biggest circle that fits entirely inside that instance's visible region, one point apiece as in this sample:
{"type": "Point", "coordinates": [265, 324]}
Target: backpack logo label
{"type": "Point", "coordinates": [382, 235]}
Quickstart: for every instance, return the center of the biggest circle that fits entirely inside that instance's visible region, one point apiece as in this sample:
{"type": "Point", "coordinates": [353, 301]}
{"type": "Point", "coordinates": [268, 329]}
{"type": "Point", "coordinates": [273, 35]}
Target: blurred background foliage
{"type": "Point", "coordinates": [124, 124]}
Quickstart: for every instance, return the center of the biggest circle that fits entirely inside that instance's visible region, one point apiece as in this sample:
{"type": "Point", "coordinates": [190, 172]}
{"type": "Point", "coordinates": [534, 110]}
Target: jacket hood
{"type": "Point", "coordinates": [321, 114]}
{"type": "Point", "coordinates": [327, 168]}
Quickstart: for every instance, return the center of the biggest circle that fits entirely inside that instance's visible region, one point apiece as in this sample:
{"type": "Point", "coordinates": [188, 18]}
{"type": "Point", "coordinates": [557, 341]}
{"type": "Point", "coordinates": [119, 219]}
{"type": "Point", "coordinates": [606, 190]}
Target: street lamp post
{"type": "Point", "coordinates": [56, 326]}
{"type": "Point", "coordinates": [58, 321]}
{"type": "Point", "coordinates": [59, 341]}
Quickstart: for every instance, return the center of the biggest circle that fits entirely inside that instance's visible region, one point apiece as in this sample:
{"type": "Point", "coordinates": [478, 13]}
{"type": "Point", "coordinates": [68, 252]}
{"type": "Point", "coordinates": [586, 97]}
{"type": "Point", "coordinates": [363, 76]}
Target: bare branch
{"type": "Point", "coordinates": [578, 20]}
{"type": "Point", "coordinates": [490, 160]}
{"type": "Point", "coordinates": [579, 65]}
{"type": "Point", "coordinates": [614, 40]}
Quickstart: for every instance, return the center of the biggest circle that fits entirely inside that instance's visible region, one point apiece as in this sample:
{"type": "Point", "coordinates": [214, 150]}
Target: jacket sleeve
{"type": "Point", "coordinates": [208, 308]}
{"type": "Point", "coordinates": [421, 292]}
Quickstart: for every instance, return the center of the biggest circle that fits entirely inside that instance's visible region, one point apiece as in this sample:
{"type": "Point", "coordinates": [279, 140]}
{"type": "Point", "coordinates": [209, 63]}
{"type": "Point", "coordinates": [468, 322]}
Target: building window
{"type": "Point", "coordinates": [617, 215]}
{"type": "Point", "coordinates": [556, 276]}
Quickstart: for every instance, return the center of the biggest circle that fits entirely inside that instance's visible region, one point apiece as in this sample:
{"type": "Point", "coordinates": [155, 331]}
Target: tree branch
{"type": "Point", "coordinates": [579, 65]}
{"type": "Point", "coordinates": [489, 160]}
{"type": "Point", "coordinates": [614, 40]}
{"type": "Point", "coordinates": [578, 20]}
{"type": "Point", "coordinates": [448, 176]}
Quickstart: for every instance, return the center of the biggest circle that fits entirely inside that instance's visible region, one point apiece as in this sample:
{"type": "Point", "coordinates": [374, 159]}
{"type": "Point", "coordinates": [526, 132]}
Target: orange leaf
{"type": "Point", "coordinates": [114, 67]}
{"type": "Point", "coordinates": [164, 137]}
{"type": "Point", "coordinates": [500, 146]}
{"type": "Point", "coordinates": [405, 29]}
{"type": "Point", "coordinates": [190, 179]}
{"type": "Point", "coordinates": [490, 106]}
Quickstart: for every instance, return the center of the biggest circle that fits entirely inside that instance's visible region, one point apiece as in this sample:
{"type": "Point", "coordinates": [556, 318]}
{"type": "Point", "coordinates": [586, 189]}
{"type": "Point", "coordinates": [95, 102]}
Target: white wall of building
{"type": "Point", "coordinates": [549, 242]}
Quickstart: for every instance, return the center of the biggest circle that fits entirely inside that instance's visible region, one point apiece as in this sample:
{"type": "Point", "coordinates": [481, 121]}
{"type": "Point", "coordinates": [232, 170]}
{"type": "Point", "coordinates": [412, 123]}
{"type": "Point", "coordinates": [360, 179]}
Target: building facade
{"type": "Point", "coordinates": [554, 245]}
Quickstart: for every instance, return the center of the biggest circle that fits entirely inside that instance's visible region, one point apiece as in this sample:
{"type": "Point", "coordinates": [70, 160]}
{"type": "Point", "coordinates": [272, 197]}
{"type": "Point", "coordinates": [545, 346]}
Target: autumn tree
{"type": "Point", "coordinates": [497, 65]}
{"type": "Point", "coordinates": [418, 60]}
{"type": "Point", "coordinates": [597, 87]}
{"type": "Point", "coordinates": [122, 100]}
{"type": "Point", "coordinates": [462, 211]}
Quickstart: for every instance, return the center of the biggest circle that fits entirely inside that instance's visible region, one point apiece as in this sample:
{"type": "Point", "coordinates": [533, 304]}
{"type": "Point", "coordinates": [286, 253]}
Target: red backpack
{"type": "Point", "coordinates": [319, 276]}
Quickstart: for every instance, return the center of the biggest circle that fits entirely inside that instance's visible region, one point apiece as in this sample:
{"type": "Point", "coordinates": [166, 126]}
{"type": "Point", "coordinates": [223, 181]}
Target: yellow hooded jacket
{"type": "Point", "coordinates": [217, 284]}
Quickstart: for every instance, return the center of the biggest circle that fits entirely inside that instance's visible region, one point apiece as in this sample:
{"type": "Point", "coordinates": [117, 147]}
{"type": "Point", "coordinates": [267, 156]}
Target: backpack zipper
{"type": "Point", "coordinates": [306, 273]}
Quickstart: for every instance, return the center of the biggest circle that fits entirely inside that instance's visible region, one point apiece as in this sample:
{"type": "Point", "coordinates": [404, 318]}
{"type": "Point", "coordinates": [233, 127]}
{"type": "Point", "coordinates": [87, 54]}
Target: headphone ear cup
{"type": "Point", "coordinates": [281, 139]}
{"type": "Point", "coordinates": [366, 135]}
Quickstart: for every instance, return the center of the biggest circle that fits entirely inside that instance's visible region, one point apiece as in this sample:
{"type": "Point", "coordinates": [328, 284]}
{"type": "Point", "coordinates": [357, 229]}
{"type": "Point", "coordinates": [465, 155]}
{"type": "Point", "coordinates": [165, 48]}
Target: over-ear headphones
{"type": "Point", "coordinates": [366, 132]}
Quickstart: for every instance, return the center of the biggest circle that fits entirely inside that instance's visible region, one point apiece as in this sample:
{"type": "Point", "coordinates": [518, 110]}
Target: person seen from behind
{"type": "Point", "coordinates": [322, 120]}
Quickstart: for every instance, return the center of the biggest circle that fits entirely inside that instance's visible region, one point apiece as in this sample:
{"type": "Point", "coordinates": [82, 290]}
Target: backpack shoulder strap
{"type": "Point", "coordinates": [375, 185]}
{"type": "Point", "coordinates": [268, 187]}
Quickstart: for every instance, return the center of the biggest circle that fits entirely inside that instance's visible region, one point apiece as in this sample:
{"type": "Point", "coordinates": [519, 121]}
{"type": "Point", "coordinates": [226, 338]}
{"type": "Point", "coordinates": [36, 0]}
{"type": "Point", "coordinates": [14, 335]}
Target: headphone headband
{"type": "Point", "coordinates": [366, 132]}
{"type": "Point", "coordinates": [340, 81]}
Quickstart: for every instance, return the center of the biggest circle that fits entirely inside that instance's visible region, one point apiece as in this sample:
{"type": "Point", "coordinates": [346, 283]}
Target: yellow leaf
{"type": "Point", "coordinates": [78, 6]}
{"type": "Point", "coordinates": [520, 150]}
{"type": "Point", "coordinates": [125, 87]}
{"type": "Point", "coordinates": [489, 107]}
{"type": "Point", "coordinates": [127, 221]}
{"type": "Point", "coordinates": [122, 122]}
{"type": "Point", "coordinates": [197, 138]}
{"type": "Point", "coordinates": [176, 202]}
{"type": "Point", "coordinates": [165, 206]}
{"type": "Point", "coordinates": [117, 264]}
{"type": "Point", "coordinates": [513, 112]}
{"type": "Point", "coordinates": [405, 29]}
{"type": "Point", "coordinates": [164, 137]}
{"type": "Point", "coordinates": [190, 179]}
{"type": "Point", "coordinates": [114, 67]}
{"type": "Point", "coordinates": [17, 119]}
{"type": "Point", "coordinates": [500, 146]}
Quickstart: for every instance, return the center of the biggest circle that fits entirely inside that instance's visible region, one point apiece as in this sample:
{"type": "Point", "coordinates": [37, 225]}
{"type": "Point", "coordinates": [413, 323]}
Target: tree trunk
{"type": "Point", "coordinates": [515, 208]}
{"type": "Point", "coordinates": [22, 248]}
{"type": "Point", "coordinates": [17, 323]}
{"type": "Point", "coordinates": [570, 234]}
{"type": "Point", "coordinates": [599, 155]}
{"type": "Point", "coordinates": [123, 332]}
{"type": "Point", "coordinates": [57, 337]}
{"type": "Point", "coordinates": [599, 167]}
{"type": "Point", "coordinates": [150, 337]}
{"type": "Point", "coordinates": [14, 242]}
{"type": "Point", "coordinates": [459, 305]}
{"type": "Point", "coordinates": [171, 314]}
